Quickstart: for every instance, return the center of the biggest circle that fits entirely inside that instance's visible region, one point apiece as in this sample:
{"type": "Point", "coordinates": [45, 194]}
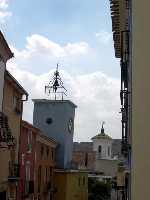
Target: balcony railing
{"type": "Point", "coordinates": [124, 93]}
{"type": "Point", "coordinates": [5, 132]}
{"type": "Point", "coordinates": [13, 172]}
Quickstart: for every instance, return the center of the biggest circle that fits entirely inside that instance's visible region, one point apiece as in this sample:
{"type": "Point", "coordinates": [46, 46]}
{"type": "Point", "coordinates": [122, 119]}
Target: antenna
{"type": "Point", "coordinates": [56, 86]}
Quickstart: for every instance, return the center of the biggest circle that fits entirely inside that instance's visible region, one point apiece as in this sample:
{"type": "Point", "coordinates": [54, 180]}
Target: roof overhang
{"type": "Point", "coordinates": [15, 84]}
{"type": "Point", "coordinates": [119, 16]}
{"type": "Point", "coordinates": [5, 51]}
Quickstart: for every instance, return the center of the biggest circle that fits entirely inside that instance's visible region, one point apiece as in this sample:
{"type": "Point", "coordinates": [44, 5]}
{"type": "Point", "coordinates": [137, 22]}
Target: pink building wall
{"type": "Point", "coordinates": [27, 156]}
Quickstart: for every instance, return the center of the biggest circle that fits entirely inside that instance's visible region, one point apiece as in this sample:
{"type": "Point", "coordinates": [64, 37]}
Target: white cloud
{"type": "Point", "coordinates": [3, 4]}
{"type": "Point", "coordinates": [96, 94]}
{"type": "Point", "coordinates": [41, 53]}
{"type": "Point", "coordinates": [104, 37]}
{"type": "Point", "coordinates": [4, 13]}
{"type": "Point", "coordinates": [37, 44]}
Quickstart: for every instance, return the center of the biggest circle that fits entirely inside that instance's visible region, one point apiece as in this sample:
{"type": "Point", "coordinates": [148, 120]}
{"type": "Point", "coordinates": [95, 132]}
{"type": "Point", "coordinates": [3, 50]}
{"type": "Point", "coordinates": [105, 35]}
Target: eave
{"type": "Point", "coordinates": [119, 15]}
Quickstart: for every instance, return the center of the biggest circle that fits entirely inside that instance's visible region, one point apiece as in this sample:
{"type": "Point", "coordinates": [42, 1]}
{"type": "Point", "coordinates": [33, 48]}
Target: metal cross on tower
{"type": "Point", "coordinates": [55, 86]}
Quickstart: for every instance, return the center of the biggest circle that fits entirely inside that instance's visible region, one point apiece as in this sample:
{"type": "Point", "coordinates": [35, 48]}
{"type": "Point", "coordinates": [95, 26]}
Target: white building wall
{"type": "Point", "coordinates": [105, 145]}
{"type": "Point", "coordinates": [2, 71]}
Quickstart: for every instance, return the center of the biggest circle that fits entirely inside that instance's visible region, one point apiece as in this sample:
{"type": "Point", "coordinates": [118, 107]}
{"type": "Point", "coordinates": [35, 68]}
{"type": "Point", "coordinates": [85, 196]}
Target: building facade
{"type": "Point", "coordinates": [101, 156]}
{"type": "Point", "coordinates": [27, 154]}
{"type": "Point", "coordinates": [131, 42]}
{"type": "Point", "coordinates": [45, 162]}
{"type": "Point", "coordinates": [13, 98]}
{"type": "Point", "coordinates": [5, 133]}
{"type": "Point", "coordinates": [84, 160]}
{"type": "Point", "coordinates": [71, 185]}
{"type": "Point", "coordinates": [5, 55]}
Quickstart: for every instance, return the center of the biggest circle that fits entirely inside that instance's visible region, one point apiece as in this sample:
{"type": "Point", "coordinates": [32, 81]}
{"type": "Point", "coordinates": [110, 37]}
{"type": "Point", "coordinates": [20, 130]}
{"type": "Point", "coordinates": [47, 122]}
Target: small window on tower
{"type": "Point", "coordinates": [99, 149]}
{"type": "Point", "coordinates": [49, 121]}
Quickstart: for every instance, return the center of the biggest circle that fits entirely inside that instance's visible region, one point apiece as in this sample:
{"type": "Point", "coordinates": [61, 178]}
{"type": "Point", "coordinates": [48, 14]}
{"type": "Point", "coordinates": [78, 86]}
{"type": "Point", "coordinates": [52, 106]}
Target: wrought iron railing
{"type": "Point", "coordinates": [124, 92]}
{"type": "Point", "coordinates": [13, 172]}
{"type": "Point", "coordinates": [5, 132]}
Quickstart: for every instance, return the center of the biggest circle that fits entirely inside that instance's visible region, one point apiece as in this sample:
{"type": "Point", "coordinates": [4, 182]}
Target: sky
{"type": "Point", "coordinates": [77, 34]}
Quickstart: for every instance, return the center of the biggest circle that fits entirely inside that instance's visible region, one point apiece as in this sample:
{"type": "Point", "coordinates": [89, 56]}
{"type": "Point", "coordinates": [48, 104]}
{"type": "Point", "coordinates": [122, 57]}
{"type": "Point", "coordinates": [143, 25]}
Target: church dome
{"type": "Point", "coordinates": [102, 135]}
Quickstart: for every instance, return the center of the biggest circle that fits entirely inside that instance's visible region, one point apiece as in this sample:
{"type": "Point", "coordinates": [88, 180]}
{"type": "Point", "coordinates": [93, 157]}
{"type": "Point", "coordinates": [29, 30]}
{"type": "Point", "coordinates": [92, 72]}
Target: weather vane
{"type": "Point", "coordinates": [102, 129]}
{"type": "Point", "coordinates": [55, 85]}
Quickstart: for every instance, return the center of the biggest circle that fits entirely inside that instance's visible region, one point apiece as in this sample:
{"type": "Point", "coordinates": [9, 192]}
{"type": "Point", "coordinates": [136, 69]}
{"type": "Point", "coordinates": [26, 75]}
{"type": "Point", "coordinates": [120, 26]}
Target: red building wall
{"type": "Point", "coordinates": [27, 156]}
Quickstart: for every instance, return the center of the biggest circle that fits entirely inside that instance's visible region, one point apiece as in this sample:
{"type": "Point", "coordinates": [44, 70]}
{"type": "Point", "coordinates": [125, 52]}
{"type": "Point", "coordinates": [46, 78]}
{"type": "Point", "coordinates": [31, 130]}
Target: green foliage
{"type": "Point", "coordinates": [98, 190]}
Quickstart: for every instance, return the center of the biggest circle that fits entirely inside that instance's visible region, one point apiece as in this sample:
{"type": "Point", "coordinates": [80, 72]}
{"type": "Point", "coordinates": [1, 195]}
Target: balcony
{"type": "Point", "coordinates": [13, 172]}
{"type": "Point", "coordinates": [6, 138]}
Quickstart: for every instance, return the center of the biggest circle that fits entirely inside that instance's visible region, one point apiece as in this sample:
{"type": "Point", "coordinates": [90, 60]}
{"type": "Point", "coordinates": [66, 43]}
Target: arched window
{"type": "Point", "coordinates": [99, 149]}
{"type": "Point", "coordinates": [99, 154]}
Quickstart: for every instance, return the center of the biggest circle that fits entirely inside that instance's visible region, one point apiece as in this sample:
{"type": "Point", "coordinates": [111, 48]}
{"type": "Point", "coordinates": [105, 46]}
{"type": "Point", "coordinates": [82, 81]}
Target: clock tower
{"type": "Point", "coordinates": [55, 118]}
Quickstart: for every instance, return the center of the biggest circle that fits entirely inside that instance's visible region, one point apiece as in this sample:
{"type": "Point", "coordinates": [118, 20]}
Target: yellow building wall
{"type": "Point", "coordinates": [14, 119]}
{"type": "Point", "coordinates": [76, 187]}
{"type": "Point", "coordinates": [4, 171]}
{"type": "Point", "coordinates": [71, 186]}
{"type": "Point", "coordinates": [60, 184]}
{"type": "Point", "coordinates": [140, 100]}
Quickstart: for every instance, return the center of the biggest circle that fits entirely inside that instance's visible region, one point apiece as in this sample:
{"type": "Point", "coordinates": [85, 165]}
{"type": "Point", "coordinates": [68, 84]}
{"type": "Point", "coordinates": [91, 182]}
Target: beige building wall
{"type": "Point", "coordinates": [5, 55]}
{"type": "Point", "coordinates": [4, 169]}
{"type": "Point", "coordinates": [2, 72]}
{"type": "Point", "coordinates": [140, 100]}
{"type": "Point", "coordinates": [14, 119]}
{"type": "Point", "coordinates": [108, 167]}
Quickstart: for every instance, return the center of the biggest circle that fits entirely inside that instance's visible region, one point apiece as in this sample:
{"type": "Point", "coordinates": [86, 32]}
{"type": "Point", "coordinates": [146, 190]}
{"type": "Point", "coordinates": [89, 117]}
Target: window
{"type": "Point", "coordinates": [50, 171]}
{"type": "Point", "coordinates": [47, 152]}
{"type": "Point", "coordinates": [39, 178]}
{"type": "Point", "coordinates": [46, 175]}
{"type": "Point", "coordinates": [99, 155]}
{"type": "Point", "coordinates": [83, 180]}
{"type": "Point", "coordinates": [108, 151]}
{"type": "Point", "coordinates": [27, 171]}
{"type": "Point", "coordinates": [52, 153]}
{"type": "Point", "coordinates": [22, 158]}
{"type": "Point", "coordinates": [86, 159]}
{"type": "Point", "coordinates": [42, 151]}
{"type": "Point", "coordinates": [27, 177]}
{"type": "Point", "coordinates": [16, 104]}
{"type": "Point", "coordinates": [99, 149]}
{"type": "Point", "coordinates": [49, 121]}
{"type": "Point", "coordinates": [29, 142]}
{"type": "Point", "coordinates": [79, 181]}
{"type": "Point", "coordinates": [1, 58]}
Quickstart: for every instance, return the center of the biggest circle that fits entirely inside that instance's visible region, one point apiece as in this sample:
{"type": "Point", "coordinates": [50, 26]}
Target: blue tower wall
{"type": "Point", "coordinates": [60, 112]}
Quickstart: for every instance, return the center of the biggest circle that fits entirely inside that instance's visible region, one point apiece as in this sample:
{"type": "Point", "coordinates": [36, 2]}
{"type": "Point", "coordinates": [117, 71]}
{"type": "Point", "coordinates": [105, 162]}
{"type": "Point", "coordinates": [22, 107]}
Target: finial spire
{"type": "Point", "coordinates": [102, 129]}
{"type": "Point", "coordinates": [56, 85]}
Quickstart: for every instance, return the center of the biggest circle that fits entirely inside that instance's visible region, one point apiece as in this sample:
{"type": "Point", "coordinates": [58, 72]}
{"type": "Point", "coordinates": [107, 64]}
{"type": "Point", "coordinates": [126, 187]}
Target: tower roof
{"type": "Point", "coordinates": [102, 134]}
{"type": "Point", "coordinates": [54, 102]}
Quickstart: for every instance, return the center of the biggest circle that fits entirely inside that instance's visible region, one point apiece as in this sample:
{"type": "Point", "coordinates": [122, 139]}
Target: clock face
{"type": "Point", "coordinates": [70, 125]}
